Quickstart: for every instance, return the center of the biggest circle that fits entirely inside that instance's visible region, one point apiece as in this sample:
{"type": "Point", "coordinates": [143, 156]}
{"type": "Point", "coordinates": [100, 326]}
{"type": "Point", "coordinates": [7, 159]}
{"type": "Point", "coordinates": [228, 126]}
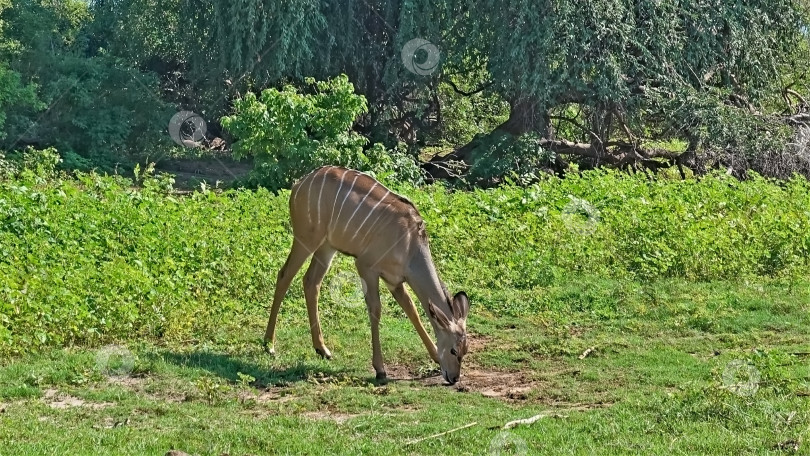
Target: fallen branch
{"type": "Point", "coordinates": [532, 420]}
{"type": "Point", "coordinates": [587, 352]}
{"type": "Point", "coordinates": [412, 442]}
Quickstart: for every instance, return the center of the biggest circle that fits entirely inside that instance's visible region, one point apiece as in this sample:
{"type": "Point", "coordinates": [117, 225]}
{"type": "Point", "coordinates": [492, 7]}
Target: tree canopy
{"type": "Point", "coordinates": [511, 87]}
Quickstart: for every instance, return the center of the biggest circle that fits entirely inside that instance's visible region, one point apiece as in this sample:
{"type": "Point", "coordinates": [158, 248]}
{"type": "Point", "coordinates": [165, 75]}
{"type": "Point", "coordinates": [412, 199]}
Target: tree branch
{"type": "Point", "coordinates": [576, 124]}
{"type": "Point", "coordinates": [797, 95]}
{"type": "Point", "coordinates": [467, 94]}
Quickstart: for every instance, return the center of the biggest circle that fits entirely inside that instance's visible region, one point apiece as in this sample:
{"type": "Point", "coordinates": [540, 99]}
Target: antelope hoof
{"type": "Point", "coordinates": [324, 352]}
{"type": "Point", "coordinates": [269, 349]}
{"type": "Point", "coordinates": [381, 375]}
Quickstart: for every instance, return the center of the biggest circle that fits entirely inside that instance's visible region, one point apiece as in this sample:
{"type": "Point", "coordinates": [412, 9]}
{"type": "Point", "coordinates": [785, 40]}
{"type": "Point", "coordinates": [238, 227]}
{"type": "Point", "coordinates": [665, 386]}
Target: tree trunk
{"type": "Point", "coordinates": [525, 115]}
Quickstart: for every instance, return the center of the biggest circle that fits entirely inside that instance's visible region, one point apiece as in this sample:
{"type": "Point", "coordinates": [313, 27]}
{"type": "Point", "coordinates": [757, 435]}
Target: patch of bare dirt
{"type": "Point", "coordinates": [512, 386]}
{"type": "Point", "coordinates": [337, 417]}
{"type": "Point", "coordinates": [172, 392]}
{"type": "Point", "coordinates": [274, 394]}
{"type": "Point", "coordinates": [477, 343]}
{"type": "Point", "coordinates": [127, 381]}
{"type": "Point", "coordinates": [57, 400]}
{"type": "Point", "coordinates": [496, 384]}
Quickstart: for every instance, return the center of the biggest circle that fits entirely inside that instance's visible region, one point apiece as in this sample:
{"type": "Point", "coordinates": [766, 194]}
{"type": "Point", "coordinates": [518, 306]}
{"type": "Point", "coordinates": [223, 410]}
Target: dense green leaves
{"type": "Point", "coordinates": [100, 111]}
{"type": "Point", "coordinates": [290, 133]}
{"type": "Point", "coordinates": [91, 259]}
{"type": "Point", "coordinates": [618, 78]}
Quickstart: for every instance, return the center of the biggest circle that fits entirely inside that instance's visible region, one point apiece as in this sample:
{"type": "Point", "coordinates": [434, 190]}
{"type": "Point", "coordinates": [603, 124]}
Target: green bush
{"type": "Point", "coordinates": [502, 155]}
{"type": "Point", "coordinates": [91, 259]}
{"type": "Point", "coordinates": [292, 133]}
{"type": "Point", "coordinates": [101, 112]}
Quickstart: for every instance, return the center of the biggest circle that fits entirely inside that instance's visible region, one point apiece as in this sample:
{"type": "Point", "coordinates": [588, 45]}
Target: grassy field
{"type": "Point", "coordinates": [635, 317]}
{"type": "Point", "coordinates": [653, 384]}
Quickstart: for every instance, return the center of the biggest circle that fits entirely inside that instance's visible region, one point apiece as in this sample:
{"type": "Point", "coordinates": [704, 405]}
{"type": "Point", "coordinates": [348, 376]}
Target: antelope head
{"type": "Point", "coordinates": [451, 335]}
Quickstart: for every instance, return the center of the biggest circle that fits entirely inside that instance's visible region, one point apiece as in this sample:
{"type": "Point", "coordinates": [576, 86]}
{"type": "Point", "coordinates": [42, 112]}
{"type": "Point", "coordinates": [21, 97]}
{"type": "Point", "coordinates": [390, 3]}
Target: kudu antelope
{"type": "Point", "coordinates": [341, 210]}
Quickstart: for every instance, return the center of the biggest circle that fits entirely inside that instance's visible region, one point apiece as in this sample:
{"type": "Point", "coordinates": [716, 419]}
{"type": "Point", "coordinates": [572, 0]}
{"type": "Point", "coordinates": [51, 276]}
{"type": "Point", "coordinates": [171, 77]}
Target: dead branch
{"type": "Point", "coordinates": [532, 420]}
{"type": "Point", "coordinates": [587, 352]}
{"type": "Point", "coordinates": [413, 442]}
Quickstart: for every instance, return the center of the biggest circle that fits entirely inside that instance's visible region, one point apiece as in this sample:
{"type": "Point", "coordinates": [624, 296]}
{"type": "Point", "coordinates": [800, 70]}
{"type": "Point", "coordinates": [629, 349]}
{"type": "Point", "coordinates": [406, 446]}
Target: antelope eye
{"type": "Point", "coordinates": [453, 352]}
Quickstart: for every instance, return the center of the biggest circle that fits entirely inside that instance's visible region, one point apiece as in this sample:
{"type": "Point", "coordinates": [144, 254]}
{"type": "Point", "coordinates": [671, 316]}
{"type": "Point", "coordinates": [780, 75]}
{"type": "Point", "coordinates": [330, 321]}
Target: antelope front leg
{"type": "Point", "coordinates": [312, 287]}
{"type": "Point", "coordinates": [371, 290]}
{"type": "Point", "coordinates": [406, 303]}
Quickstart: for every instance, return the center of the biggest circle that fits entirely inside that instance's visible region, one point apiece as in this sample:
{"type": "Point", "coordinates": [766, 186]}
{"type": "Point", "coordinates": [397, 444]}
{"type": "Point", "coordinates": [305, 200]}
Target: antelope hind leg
{"type": "Point", "coordinates": [312, 287]}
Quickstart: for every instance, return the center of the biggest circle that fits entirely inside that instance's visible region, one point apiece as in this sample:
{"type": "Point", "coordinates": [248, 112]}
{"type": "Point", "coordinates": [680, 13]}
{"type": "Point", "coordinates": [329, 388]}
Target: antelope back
{"type": "Point", "coordinates": [350, 210]}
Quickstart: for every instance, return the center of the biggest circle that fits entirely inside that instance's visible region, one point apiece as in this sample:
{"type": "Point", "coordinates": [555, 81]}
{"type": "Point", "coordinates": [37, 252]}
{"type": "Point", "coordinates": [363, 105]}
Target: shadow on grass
{"type": "Point", "coordinates": [228, 367]}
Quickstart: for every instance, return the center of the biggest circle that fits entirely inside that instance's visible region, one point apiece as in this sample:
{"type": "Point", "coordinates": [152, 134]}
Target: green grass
{"type": "Point", "coordinates": [653, 384]}
{"type": "Point", "coordinates": [676, 288]}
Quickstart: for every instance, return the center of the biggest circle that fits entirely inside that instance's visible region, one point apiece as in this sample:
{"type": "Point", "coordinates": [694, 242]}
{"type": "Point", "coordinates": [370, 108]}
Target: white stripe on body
{"type": "Point", "coordinates": [371, 228]}
{"type": "Point", "coordinates": [369, 214]}
{"type": "Point", "coordinates": [311, 178]}
{"type": "Point", "coordinates": [349, 192]}
{"type": "Point", "coordinates": [359, 205]}
{"type": "Point", "coordinates": [337, 193]}
{"type": "Point", "coordinates": [318, 207]}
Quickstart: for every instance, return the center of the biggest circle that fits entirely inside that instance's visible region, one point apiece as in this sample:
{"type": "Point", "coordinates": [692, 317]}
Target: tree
{"type": "Point", "coordinates": [101, 111]}
{"type": "Point", "coordinates": [615, 76]}
{"type": "Point", "coordinates": [627, 83]}
{"type": "Point", "coordinates": [14, 94]}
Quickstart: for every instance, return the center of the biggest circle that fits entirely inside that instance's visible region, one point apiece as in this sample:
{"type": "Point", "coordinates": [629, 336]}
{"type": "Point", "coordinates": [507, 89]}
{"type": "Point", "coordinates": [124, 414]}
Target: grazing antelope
{"type": "Point", "coordinates": [337, 209]}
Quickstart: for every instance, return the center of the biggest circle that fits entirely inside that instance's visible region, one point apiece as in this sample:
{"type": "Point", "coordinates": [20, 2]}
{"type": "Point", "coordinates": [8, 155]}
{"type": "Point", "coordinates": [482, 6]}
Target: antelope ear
{"type": "Point", "coordinates": [437, 315]}
{"type": "Point", "coordinates": [461, 305]}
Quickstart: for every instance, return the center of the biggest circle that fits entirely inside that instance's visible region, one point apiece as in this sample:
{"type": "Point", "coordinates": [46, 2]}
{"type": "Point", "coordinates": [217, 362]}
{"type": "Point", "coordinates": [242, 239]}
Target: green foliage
{"type": "Point", "coordinates": [15, 95]}
{"type": "Point", "coordinates": [663, 70]}
{"type": "Point", "coordinates": [690, 72]}
{"type": "Point", "coordinates": [465, 117]}
{"type": "Point", "coordinates": [291, 133]}
{"type": "Point", "coordinates": [92, 259]}
{"type": "Point", "coordinates": [717, 228]}
{"type": "Point", "coordinates": [141, 31]}
{"type": "Point", "coordinates": [101, 112]}
{"type": "Point", "coordinates": [501, 155]}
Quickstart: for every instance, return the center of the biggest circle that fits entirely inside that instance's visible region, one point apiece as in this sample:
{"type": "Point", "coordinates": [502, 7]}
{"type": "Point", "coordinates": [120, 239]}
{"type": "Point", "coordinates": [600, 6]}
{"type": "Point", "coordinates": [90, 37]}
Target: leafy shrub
{"type": "Point", "coordinates": [31, 163]}
{"type": "Point", "coordinates": [101, 112]}
{"type": "Point", "coordinates": [502, 155]}
{"type": "Point", "coordinates": [292, 133]}
{"type": "Point", "coordinates": [91, 259]}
